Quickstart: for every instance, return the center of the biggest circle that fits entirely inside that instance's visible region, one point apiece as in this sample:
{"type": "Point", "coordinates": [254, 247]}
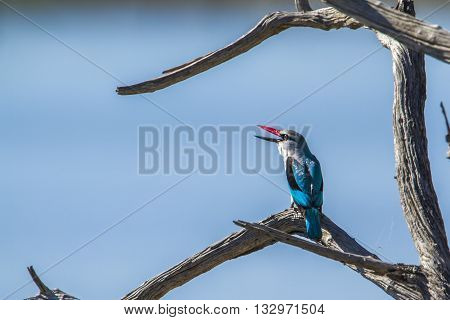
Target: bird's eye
{"type": "Point", "coordinates": [284, 137]}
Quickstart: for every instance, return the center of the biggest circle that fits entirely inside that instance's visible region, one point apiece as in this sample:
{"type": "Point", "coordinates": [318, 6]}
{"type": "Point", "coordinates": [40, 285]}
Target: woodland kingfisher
{"type": "Point", "coordinates": [304, 176]}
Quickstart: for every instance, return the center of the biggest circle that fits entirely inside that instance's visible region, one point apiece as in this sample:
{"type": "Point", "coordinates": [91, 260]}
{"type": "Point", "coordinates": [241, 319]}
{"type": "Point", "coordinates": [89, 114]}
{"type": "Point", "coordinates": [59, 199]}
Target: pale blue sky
{"type": "Point", "coordinates": [68, 147]}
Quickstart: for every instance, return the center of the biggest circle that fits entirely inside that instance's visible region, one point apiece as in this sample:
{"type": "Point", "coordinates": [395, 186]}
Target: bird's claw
{"type": "Point", "coordinates": [295, 207]}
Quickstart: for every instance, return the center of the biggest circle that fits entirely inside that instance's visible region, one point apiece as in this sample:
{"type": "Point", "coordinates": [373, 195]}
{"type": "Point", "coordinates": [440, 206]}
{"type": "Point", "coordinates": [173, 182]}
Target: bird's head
{"type": "Point", "coordinates": [289, 142]}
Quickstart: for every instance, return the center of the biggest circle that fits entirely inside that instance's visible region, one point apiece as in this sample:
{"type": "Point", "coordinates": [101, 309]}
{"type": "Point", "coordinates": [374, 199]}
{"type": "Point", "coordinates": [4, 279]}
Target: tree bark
{"type": "Point", "coordinates": [356, 260]}
{"type": "Point", "coordinates": [418, 35]}
{"type": "Point", "coordinates": [417, 195]}
{"type": "Point", "coordinates": [270, 25]}
{"type": "Point", "coordinates": [419, 201]}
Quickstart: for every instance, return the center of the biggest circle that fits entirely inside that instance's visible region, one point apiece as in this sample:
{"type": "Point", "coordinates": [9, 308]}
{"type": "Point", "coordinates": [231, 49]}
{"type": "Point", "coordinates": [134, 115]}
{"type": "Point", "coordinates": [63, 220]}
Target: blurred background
{"type": "Point", "coordinates": [69, 146]}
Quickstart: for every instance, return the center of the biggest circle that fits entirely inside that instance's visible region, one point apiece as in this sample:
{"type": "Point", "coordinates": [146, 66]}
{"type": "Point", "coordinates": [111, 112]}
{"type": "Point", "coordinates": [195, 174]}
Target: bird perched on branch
{"type": "Point", "coordinates": [304, 176]}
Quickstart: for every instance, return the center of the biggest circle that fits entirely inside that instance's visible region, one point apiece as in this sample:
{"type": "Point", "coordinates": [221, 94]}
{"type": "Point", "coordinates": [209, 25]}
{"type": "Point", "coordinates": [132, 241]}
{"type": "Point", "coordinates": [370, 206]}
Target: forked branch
{"type": "Point", "coordinates": [402, 34]}
{"type": "Point", "coordinates": [422, 213]}
{"type": "Point", "coordinates": [270, 25]}
{"type": "Point", "coordinates": [418, 197]}
{"type": "Point", "coordinates": [44, 292]}
{"type": "Point", "coordinates": [400, 283]}
{"type": "Point", "coordinates": [415, 34]}
{"type": "Point", "coordinates": [430, 39]}
{"type": "Point", "coordinates": [356, 260]}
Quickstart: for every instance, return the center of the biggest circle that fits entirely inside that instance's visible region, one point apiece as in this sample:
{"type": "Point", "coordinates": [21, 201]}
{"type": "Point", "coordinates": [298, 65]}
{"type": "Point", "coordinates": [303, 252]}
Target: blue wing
{"type": "Point", "coordinates": [317, 181]}
{"type": "Point", "coordinates": [305, 182]}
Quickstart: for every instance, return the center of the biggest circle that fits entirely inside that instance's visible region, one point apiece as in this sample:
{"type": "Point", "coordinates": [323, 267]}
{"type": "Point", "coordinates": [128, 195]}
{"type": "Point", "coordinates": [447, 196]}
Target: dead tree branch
{"type": "Point", "coordinates": [408, 39]}
{"type": "Point", "coordinates": [418, 35]}
{"type": "Point", "coordinates": [44, 292]}
{"type": "Point", "coordinates": [356, 260]}
{"type": "Point", "coordinates": [430, 39]}
{"type": "Point", "coordinates": [270, 25]}
{"type": "Point", "coordinates": [419, 201]}
{"type": "Point", "coordinates": [400, 284]}
{"type": "Point", "coordinates": [417, 195]}
{"type": "Point", "coordinates": [447, 137]}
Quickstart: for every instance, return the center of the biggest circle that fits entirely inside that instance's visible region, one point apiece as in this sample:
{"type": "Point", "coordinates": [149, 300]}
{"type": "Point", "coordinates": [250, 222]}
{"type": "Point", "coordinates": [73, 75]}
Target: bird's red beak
{"type": "Point", "coordinates": [271, 130]}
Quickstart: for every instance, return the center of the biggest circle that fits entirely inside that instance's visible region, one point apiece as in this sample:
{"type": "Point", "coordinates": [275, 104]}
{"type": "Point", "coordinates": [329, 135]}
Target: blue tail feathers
{"type": "Point", "coordinates": [312, 218]}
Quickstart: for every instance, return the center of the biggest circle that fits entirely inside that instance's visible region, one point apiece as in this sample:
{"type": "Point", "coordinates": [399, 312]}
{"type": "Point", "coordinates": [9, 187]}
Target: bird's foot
{"type": "Point", "coordinates": [295, 207]}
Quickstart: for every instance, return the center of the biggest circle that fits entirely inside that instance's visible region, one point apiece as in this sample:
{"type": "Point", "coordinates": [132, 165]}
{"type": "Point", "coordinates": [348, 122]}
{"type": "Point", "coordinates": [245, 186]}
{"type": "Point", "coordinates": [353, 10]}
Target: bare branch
{"type": "Point", "coordinates": [302, 5]}
{"type": "Point", "coordinates": [44, 292]}
{"type": "Point", "coordinates": [398, 284]}
{"type": "Point", "coordinates": [431, 39]}
{"type": "Point", "coordinates": [447, 137]}
{"type": "Point", "coordinates": [417, 195]}
{"type": "Point", "coordinates": [43, 289]}
{"type": "Point", "coordinates": [416, 34]}
{"type": "Point", "coordinates": [365, 262]}
{"type": "Point", "coordinates": [270, 25]}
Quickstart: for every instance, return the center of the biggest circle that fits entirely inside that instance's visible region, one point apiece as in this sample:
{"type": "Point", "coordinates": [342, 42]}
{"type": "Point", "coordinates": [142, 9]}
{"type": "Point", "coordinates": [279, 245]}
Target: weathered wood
{"type": "Point", "coordinates": [270, 25]}
{"type": "Point", "coordinates": [418, 35]}
{"type": "Point", "coordinates": [44, 292]}
{"type": "Point", "coordinates": [417, 195]}
{"type": "Point", "coordinates": [356, 260]}
{"type": "Point", "coordinates": [430, 39]}
{"type": "Point", "coordinates": [419, 201]}
{"type": "Point", "coordinates": [399, 285]}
